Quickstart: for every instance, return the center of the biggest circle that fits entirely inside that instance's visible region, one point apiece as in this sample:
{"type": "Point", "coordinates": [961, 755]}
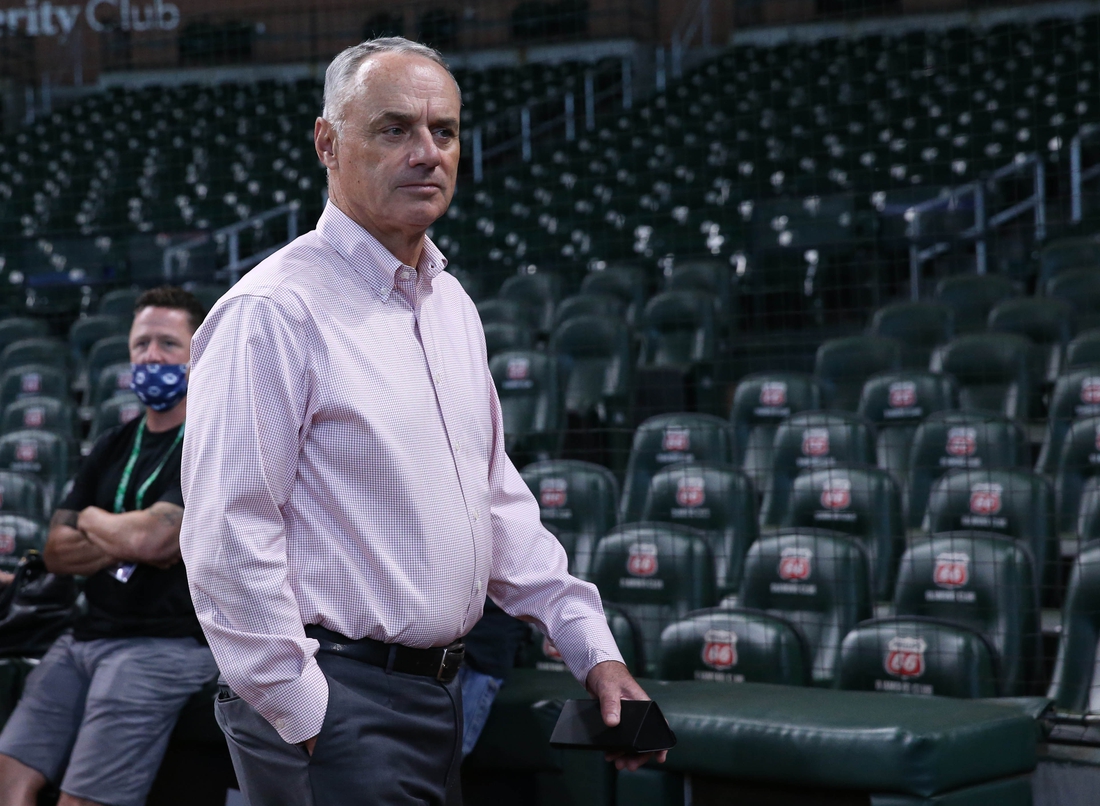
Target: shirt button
{"type": "Point", "coordinates": [457, 447]}
{"type": "Point", "coordinates": [475, 514]}
{"type": "Point", "coordinates": [477, 586]}
{"type": "Point", "coordinates": [406, 274]}
{"type": "Point", "coordinates": [280, 723]}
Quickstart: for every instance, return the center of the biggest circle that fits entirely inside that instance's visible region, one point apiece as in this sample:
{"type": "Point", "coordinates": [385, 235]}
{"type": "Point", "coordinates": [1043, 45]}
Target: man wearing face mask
{"type": "Point", "coordinates": [97, 712]}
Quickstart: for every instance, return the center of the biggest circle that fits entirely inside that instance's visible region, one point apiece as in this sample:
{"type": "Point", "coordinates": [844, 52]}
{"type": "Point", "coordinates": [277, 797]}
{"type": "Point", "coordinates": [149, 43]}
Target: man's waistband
{"type": "Point", "coordinates": [441, 663]}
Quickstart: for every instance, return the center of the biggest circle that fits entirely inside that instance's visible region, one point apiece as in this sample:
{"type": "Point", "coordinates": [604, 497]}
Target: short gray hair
{"type": "Point", "coordinates": [341, 72]}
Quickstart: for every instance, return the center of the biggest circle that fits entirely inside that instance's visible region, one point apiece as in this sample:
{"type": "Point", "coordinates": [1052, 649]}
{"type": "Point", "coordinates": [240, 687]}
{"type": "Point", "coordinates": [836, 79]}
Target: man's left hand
{"type": "Point", "coordinates": [610, 682]}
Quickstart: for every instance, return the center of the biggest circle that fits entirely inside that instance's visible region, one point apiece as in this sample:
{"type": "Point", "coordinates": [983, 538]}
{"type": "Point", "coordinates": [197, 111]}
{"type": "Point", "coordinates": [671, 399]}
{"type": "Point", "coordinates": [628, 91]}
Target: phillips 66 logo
{"type": "Point", "coordinates": [553, 492]}
{"type": "Point", "coordinates": [642, 560]}
{"type": "Point", "coordinates": [905, 656]}
{"type": "Point", "coordinates": [962, 441]}
{"type": "Point", "coordinates": [837, 493]}
{"type": "Point", "coordinates": [1090, 390]}
{"type": "Point", "coordinates": [7, 542]}
{"type": "Point", "coordinates": [691, 492]}
{"type": "Point", "coordinates": [676, 439]}
{"type": "Point", "coordinates": [773, 393]}
{"type": "Point", "coordinates": [903, 395]}
{"type": "Point", "coordinates": [985, 499]}
{"type": "Point", "coordinates": [720, 649]}
{"type": "Point", "coordinates": [518, 368]}
{"type": "Point", "coordinates": [549, 650]}
{"type": "Point", "coordinates": [795, 564]}
{"type": "Point", "coordinates": [815, 442]}
{"type": "Point", "coordinates": [952, 569]}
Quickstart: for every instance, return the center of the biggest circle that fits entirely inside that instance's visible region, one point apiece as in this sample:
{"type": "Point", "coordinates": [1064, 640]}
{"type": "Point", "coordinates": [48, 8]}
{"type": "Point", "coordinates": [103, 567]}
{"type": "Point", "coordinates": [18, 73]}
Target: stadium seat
{"type": "Point", "coordinates": [963, 440]}
{"type": "Point", "coordinates": [38, 380]}
{"type": "Point", "coordinates": [727, 646]}
{"type": "Point", "coordinates": [1065, 254]}
{"type": "Point", "coordinates": [993, 372]}
{"type": "Point", "coordinates": [113, 412]}
{"type": "Point", "coordinates": [503, 311]}
{"type": "Point", "coordinates": [208, 295]}
{"type": "Point", "coordinates": [502, 336]}
{"type": "Point", "coordinates": [593, 354]}
{"type": "Point", "coordinates": [816, 579]}
{"type": "Point", "coordinates": [718, 501]}
{"type": "Point", "coordinates": [601, 305]}
{"type": "Point", "coordinates": [678, 330]}
{"type": "Point", "coordinates": [45, 351]}
{"type": "Point", "coordinates": [1076, 395]}
{"type": "Point", "coordinates": [627, 283]}
{"type": "Point", "coordinates": [709, 277]}
{"type": "Point", "coordinates": [1083, 351]}
{"type": "Point", "coordinates": [760, 403]}
{"type": "Point", "coordinates": [669, 438]}
{"type": "Point", "coordinates": [864, 503]}
{"type": "Point", "coordinates": [18, 535]}
{"type": "Point", "coordinates": [88, 330]}
{"type": "Point", "coordinates": [1048, 323]}
{"type": "Point", "coordinates": [896, 403]}
{"type": "Point", "coordinates": [912, 655]}
{"type": "Point", "coordinates": [812, 440]}
{"type": "Point", "coordinates": [537, 294]}
{"type": "Point", "coordinates": [1074, 685]}
{"type": "Point", "coordinates": [1078, 461]}
{"type": "Point", "coordinates": [982, 582]}
{"type": "Point", "coordinates": [578, 501]}
{"type": "Point", "coordinates": [18, 328]}
{"type": "Point", "coordinates": [842, 366]}
{"type": "Point", "coordinates": [530, 403]}
{"type": "Point", "coordinates": [113, 379]}
{"type": "Point", "coordinates": [540, 652]}
{"type": "Point", "coordinates": [41, 454]}
{"type": "Point", "coordinates": [44, 413]}
{"type": "Point", "coordinates": [972, 297]}
{"type": "Point", "coordinates": [1080, 288]}
{"type": "Point", "coordinates": [656, 574]}
{"type": "Point", "coordinates": [105, 352]}
{"type": "Point", "coordinates": [919, 327]}
{"type": "Point", "coordinates": [119, 302]}
{"type": "Point", "coordinates": [21, 494]}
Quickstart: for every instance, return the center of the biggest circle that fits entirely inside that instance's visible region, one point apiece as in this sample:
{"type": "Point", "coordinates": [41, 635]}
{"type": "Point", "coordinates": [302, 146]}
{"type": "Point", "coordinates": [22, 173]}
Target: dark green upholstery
{"type": "Point", "coordinates": [628, 283]}
{"type": "Point", "coordinates": [87, 330]}
{"type": "Point", "coordinates": [1081, 289]}
{"type": "Point", "coordinates": [666, 439]}
{"type": "Point", "coordinates": [896, 403]}
{"type": "Point", "coordinates": [18, 535]}
{"type": "Point", "coordinates": [1078, 462]}
{"type": "Point", "coordinates": [579, 501]}
{"type": "Point", "coordinates": [1047, 322]}
{"type": "Point", "coordinates": [507, 311]}
{"type": "Point", "coordinates": [46, 351]}
{"type": "Point", "coordinates": [718, 501]}
{"type": "Point", "coordinates": [862, 502]}
{"type": "Point", "coordinates": [1083, 351]}
{"type": "Point", "coordinates": [537, 294]}
{"type": "Point", "coordinates": [107, 351]}
{"type": "Point", "coordinates": [45, 413]}
{"type": "Point", "coordinates": [119, 302]}
{"type": "Point", "coordinates": [984, 582]}
{"type": "Point", "coordinates": [909, 655]}
{"type": "Point", "coordinates": [1088, 511]}
{"type": "Point", "coordinates": [41, 454]}
{"type": "Point", "coordinates": [1065, 254]}
{"type": "Point", "coordinates": [973, 296]}
{"type": "Point", "coordinates": [760, 403]}
{"type": "Point", "coordinates": [1074, 685]}
{"type": "Point", "coordinates": [114, 412]}
{"type": "Point", "coordinates": [530, 402]}
{"type": "Point", "coordinates": [21, 494]}
{"type": "Point", "coordinates": [965, 440]}
{"type": "Point", "coordinates": [678, 329]}
{"type": "Point", "coordinates": [711, 277]}
{"type": "Point", "coordinates": [919, 327]}
{"type": "Point", "coordinates": [727, 646]}
{"type": "Point", "coordinates": [1075, 395]}
{"type": "Point", "coordinates": [842, 366]}
{"type": "Point", "coordinates": [818, 580]}
{"type": "Point", "coordinates": [112, 380]}
{"type": "Point", "coordinates": [993, 372]}
{"type": "Point", "coordinates": [17, 328]}
{"type": "Point", "coordinates": [594, 355]}
{"type": "Point", "coordinates": [540, 653]}
{"type": "Point", "coordinates": [1015, 503]}
{"type": "Point", "coordinates": [604, 305]}
{"type": "Point", "coordinates": [655, 573]}
{"type": "Point", "coordinates": [812, 440]}
{"type": "Point", "coordinates": [503, 336]}
{"type": "Point", "coordinates": [33, 379]}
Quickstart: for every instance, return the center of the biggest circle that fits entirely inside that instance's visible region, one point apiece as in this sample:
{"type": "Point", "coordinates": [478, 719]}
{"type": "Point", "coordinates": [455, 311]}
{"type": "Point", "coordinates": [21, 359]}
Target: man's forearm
{"type": "Point", "coordinates": [145, 536]}
{"type": "Point", "coordinates": [69, 551]}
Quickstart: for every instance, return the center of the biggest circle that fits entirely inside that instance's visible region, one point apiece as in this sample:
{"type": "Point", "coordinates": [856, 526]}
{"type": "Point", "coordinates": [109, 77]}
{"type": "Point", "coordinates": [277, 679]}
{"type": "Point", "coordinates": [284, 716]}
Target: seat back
{"type": "Point", "coordinates": [33, 380]}
{"type": "Point", "coordinates": [710, 277]}
{"type": "Point", "coordinates": [842, 366]}
{"type": "Point", "coordinates": [594, 355]}
{"type": "Point", "coordinates": [760, 403]}
{"type": "Point", "coordinates": [530, 401]}
{"type": "Point", "coordinates": [628, 283]}
{"type": "Point", "coordinates": [17, 328]}
{"type": "Point", "coordinates": [667, 439]}
{"type": "Point", "coordinates": [919, 327]}
{"type": "Point", "coordinates": [965, 440]}
{"type": "Point", "coordinates": [1048, 323]}
{"type": "Point", "coordinates": [538, 295]}
{"type": "Point", "coordinates": [504, 311]}
{"type": "Point", "coordinates": [896, 402]}
{"type": "Point", "coordinates": [540, 652]}
{"type": "Point", "coordinates": [40, 454]}
{"type": "Point", "coordinates": [1081, 289]}
{"type": "Point", "coordinates": [88, 330]}
{"type": "Point", "coordinates": [1075, 685]}
{"type": "Point", "coordinates": [993, 372]}
{"type": "Point", "coordinates": [1078, 462]}
{"type": "Point", "coordinates": [21, 494]}
{"type": "Point", "coordinates": [910, 655]}
{"type": "Point", "coordinates": [973, 296]}
{"type": "Point", "coordinates": [812, 440]}
{"type": "Point", "coordinates": [45, 413]}
{"type": "Point", "coordinates": [862, 502]}
{"type": "Point", "coordinates": [113, 380]}
{"type": "Point", "coordinates": [818, 580]}
{"type": "Point", "coordinates": [578, 501]}
{"type": "Point", "coordinates": [1066, 254]}
{"type": "Point", "coordinates": [735, 646]}
{"type": "Point", "coordinates": [715, 499]}
{"type": "Point", "coordinates": [41, 350]}
{"type": "Point", "coordinates": [1076, 395]}
{"type": "Point", "coordinates": [656, 574]}
{"type": "Point", "coordinates": [18, 535]}
{"type": "Point", "coordinates": [119, 302]}
{"type": "Point", "coordinates": [105, 352]}
{"type": "Point", "coordinates": [984, 582]}
{"type": "Point", "coordinates": [503, 336]}
{"type": "Point", "coordinates": [603, 305]}
{"type": "Point", "coordinates": [678, 329]}
{"type": "Point", "coordinates": [1083, 351]}
{"type": "Point", "coordinates": [113, 412]}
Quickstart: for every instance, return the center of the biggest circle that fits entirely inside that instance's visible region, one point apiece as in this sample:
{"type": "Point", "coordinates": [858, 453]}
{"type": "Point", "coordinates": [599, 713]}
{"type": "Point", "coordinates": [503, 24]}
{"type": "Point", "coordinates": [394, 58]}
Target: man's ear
{"type": "Point", "coordinates": [324, 140]}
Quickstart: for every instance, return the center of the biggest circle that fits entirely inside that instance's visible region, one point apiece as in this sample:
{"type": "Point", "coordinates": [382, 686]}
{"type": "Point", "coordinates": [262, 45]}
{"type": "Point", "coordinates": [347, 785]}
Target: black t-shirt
{"type": "Point", "coordinates": [153, 602]}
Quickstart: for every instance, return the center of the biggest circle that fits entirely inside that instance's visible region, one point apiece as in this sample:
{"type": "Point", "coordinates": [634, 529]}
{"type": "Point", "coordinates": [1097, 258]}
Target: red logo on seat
{"type": "Point", "coordinates": [33, 418]}
{"type": "Point", "coordinates": [553, 492]}
{"type": "Point", "coordinates": [795, 564]}
{"type": "Point", "coordinates": [837, 494]}
{"type": "Point", "coordinates": [905, 656]}
{"type": "Point", "coordinates": [518, 368]}
{"type": "Point", "coordinates": [903, 395]}
{"type": "Point", "coordinates": [985, 499]}
{"type": "Point", "coordinates": [962, 441]}
{"type": "Point", "coordinates": [7, 542]}
{"type": "Point", "coordinates": [676, 439]}
{"type": "Point", "coordinates": [26, 451]}
{"type": "Point", "coordinates": [31, 382]}
{"type": "Point", "coordinates": [642, 561]}
{"type": "Point", "coordinates": [1090, 390]}
{"type": "Point", "coordinates": [122, 380]}
{"type": "Point", "coordinates": [127, 413]}
{"type": "Point", "coordinates": [773, 393]}
{"type": "Point", "coordinates": [691, 492]}
{"type": "Point", "coordinates": [952, 570]}
{"type": "Point", "coordinates": [720, 649]}
{"type": "Point", "coordinates": [815, 442]}
{"type": "Point", "coordinates": [549, 650]}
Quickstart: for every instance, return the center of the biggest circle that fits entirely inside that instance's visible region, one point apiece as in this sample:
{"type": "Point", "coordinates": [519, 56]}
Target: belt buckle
{"type": "Point", "coordinates": [450, 662]}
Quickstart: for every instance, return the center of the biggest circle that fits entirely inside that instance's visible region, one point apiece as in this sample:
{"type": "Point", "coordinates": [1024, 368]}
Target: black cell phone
{"type": "Point", "coordinates": [642, 728]}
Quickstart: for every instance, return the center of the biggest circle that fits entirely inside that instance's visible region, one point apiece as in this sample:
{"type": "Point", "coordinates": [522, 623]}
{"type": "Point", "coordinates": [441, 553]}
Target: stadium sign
{"type": "Point", "coordinates": [46, 19]}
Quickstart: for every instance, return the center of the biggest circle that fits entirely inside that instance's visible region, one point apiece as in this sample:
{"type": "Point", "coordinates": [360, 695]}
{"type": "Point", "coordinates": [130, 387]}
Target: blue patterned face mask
{"type": "Point", "coordinates": [159, 386]}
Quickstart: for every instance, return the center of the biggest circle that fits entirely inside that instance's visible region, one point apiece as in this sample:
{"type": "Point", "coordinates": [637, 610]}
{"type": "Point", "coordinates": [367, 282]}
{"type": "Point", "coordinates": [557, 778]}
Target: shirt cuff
{"type": "Point", "coordinates": [598, 646]}
{"type": "Point", "coordinates": [297, 709]}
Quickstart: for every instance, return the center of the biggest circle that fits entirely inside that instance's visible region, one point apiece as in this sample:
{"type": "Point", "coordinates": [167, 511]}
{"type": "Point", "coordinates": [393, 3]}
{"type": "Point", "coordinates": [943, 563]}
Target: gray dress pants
{"type": "Point", "coordinates": [391, 739]}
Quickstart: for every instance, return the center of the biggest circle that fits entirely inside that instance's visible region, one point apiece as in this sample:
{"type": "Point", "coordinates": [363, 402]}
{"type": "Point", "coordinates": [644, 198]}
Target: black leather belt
{"type": "Point", "coordinates": [442, 663]}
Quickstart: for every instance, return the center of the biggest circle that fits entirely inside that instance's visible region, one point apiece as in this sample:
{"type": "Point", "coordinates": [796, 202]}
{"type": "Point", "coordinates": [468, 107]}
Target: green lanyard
{"type": "Point", "coordinates": [128, 471]}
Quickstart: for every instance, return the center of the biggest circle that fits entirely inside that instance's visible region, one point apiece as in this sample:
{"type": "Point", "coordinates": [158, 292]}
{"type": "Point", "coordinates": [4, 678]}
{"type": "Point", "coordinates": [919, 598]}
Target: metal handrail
{"type": "Point", "coordinates": [692, 21]}
{"type": "Point", "coordinates": [1078, 177]}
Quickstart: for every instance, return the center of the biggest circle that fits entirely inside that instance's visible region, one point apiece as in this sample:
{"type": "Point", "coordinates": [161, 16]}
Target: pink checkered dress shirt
{"type": "Point", "coordinates": [344, 465]}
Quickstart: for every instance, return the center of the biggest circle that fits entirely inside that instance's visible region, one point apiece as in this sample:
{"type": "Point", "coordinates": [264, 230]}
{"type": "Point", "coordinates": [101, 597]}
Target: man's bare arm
{"type": "Point", "coordinates": [69, 551]}
{"type": "Point", "coordinates": [150, 536]}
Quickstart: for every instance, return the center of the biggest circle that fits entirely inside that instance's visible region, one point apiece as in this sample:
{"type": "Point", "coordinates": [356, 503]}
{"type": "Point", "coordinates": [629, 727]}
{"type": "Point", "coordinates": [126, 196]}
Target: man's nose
{"type": "Point", "coordinates": [425, 150]}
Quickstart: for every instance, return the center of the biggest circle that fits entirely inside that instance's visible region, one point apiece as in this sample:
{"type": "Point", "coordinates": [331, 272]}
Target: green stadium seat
{"type": "Point", "coordinates": [18, 535]}
{"type": "Point", "coordinates": [44, 413]}
{"type": "Point", "coordinates": [47, 351]}
{"type": "Point", "coordinates": [812, 440]}
{"type": "Point", "coordinates": [210, 294]}
{"type": "Point", "coordinates": [842, 366]}
{"type": "Point", "coordinates": [1080, 288]}
{"type": "Point", "coordinates": [540, 652]}
{"type": "Point", "coordinates": [502, 311]}
{"type": "Point", "coordinates": [1075, 395]}
{"type": "Point", "coordinates": [37, 380]}
{"type": "Point", "coordinates": [537, 294]}
{"type": "Point", "coordinates": [1074, 685]}
{"type": "Point", "coordinates": [18, 328]}
{"type": "Point", "coordinates": [993, 372]}
{"type": "Point", "coordinates": [112, 380]}
{"type": "Point", "coordinates": [667, 439]}
{"type": "Point", "coordinates": [530, 403]}
{"type": "Point", "coordinates": [972, 297]}
{"type": "Point", "coordinates": [656, 574]}
{"type": "Point", "coordinates": [709, 277]}
{"type": "Point", "coordinates": [728, 646]}
{"type": "Point", "coordinates": [593, 353]}
{"type": "Point", "coordinates": [21, 494]}
{"type": "Point", "coordinates": [578, 501]}
{"type": "Point", "coordinates": [588, 305]}
{"type": "Point", "coordinates": [714, 499]}
{"type": "Point", "coordinates": [627, 283]}
{"type": "Point", "coordinates": [1066, 254]}
{"type": "Point", "coordinates": [1083, 351]}
{"type": "Point", "coordinates": [119, 302]}
{"type": "Point", "coordinates": [88, 330]}
{"type": "Point", "coordinates": [41, 454]}
{"type": "Point", "coordinates": [503, 336]}
{"type": "Point", "coordinates": [113, 412]}
{"type": "Point", "coordinates": [678, 330]}
{"type": "Point", "coordinates": [1048, 323]}
{"type": "Point", "coordinates": [818, 580]}
{"type": "Point", "coordinates": [919, 327]}
{"type": "Point", "coordinates": [1078, 461]}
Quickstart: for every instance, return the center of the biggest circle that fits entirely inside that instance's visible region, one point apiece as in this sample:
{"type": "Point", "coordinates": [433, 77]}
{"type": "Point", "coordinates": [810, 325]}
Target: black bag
{"type": "Point", "coordinates": [35, 609]}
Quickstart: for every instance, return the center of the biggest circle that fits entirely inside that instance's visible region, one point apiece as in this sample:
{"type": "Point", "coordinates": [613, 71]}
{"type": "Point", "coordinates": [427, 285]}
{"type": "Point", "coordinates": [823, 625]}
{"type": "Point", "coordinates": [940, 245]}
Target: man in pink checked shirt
{"type": "Point", "coordinates": [349, 501]}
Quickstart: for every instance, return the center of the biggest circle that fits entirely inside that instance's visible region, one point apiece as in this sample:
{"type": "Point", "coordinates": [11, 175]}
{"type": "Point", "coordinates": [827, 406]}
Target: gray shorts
{"type": "Point", "coordinates": [106, 708]}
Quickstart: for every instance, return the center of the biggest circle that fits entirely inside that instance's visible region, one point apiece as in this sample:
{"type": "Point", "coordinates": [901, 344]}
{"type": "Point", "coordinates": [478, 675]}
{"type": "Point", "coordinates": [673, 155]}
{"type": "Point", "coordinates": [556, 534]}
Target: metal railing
{"type": "Point", "coordinates": [695, 20]}
{"type": "Point", "coordinates": [1077, 176]}
{"type": "Point", "coordinates": [178, 255]}
{"type": "Point", "coordinates": [984, 224]}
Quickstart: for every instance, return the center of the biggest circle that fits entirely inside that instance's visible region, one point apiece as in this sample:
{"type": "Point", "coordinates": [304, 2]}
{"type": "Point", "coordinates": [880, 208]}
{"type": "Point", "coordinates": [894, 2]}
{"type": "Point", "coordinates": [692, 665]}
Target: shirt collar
{"type": "Point", "coordinates": [369, 257]}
